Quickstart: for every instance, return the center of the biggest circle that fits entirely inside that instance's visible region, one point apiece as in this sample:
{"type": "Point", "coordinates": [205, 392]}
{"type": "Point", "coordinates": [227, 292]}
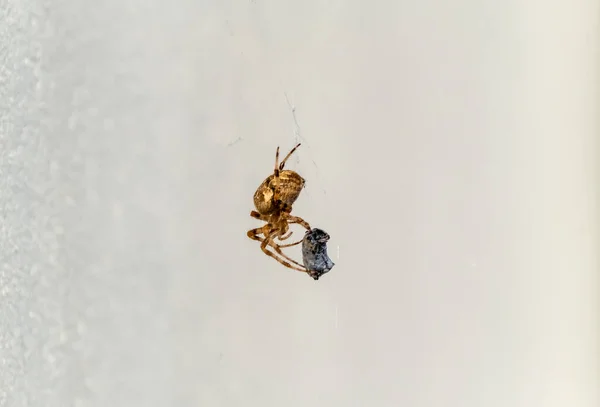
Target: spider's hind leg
{"type": "Point", "coordinates": [276, 170]}
{"type": "Point", "coordinates": [279, 166]}
{"type": "Point", "coordinates": [288, 156]}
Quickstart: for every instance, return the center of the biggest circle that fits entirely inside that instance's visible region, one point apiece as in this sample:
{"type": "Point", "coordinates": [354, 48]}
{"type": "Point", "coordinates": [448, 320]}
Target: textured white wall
{"type": "Point", "coordinates": [450, 150]}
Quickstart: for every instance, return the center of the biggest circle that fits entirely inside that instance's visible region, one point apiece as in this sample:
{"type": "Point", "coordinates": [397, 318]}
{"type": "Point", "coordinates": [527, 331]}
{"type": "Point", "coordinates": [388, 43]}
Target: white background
{"type": "Point", "coordinates": [450, 149]}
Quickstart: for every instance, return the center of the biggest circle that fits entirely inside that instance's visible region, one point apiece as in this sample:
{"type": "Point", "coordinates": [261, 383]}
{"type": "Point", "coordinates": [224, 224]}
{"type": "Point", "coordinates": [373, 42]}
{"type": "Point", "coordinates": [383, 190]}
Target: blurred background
{"type": "Point", "coordinates": [450, 150]}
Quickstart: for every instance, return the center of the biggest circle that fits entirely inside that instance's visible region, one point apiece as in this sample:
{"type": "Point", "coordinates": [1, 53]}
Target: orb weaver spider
{"type": "Point", "coordinates": [273, 200]}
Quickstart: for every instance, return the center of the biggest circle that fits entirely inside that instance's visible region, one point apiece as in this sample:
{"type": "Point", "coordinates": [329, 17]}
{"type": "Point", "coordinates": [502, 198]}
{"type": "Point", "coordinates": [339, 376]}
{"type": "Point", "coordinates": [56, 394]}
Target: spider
{"type": "Point", "coordinates": [314, 253]}
{"type": "Point", "coordinates": [273, 200]}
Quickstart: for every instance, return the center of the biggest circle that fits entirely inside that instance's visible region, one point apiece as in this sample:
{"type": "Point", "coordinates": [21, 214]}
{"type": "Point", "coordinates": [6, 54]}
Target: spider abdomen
{"type": "Point", "coordinates": [289, 188]}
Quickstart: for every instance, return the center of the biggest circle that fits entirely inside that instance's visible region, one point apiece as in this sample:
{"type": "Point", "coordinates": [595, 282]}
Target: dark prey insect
{"type": "Point", "coordinates": [314, 253]}
{"type": "Point", "coordinates": [273, 200]}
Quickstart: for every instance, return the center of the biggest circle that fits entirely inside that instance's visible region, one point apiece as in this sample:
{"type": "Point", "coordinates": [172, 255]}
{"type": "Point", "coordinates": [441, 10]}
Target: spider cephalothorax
{"type": "Point", "coordinates": [273, 200]}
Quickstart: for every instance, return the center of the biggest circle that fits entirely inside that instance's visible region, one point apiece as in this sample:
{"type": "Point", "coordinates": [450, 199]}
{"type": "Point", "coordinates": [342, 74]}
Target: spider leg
{"type": "Point", "coordinates": [265, 218]}
{"type": "Point", "coordinates": [286, 157]}
{"type": "Point", "coordinates": [258, 216]}
{"type": "Point", "coordinates": [290, 219]}
{"type": "Point", "coordinates": [277, 248]}
{"type": "Point", "coordinates": [279, 167]}
{"type": "Point", "coordinates": [275, 187]}
{"type": "Point", "coordinates": [276, 172]}
{"type": "Point", "coordinates": [290, 244]}
{"type": "Point", "coordinates": [254, 234]}
{"type": "Point", "coordinates": [299, 220]}
{"type": "Point", "coordinates": [268, 242]}
{"type": "Point", "coordinates": [293, 219]}
{"type": "Point", "coordinates": [284, 237]}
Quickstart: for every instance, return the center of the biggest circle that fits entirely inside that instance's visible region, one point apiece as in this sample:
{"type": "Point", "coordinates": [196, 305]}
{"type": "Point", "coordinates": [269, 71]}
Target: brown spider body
{"type": "Point", "coordinates": [273, 200]}
{"type": "Point", "coordinates": [289, 188]}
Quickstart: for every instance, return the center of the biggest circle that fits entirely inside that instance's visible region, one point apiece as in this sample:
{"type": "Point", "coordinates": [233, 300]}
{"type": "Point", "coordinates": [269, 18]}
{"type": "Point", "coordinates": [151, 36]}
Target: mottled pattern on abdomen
{"type": "Point", "coordinates": [289, 188]}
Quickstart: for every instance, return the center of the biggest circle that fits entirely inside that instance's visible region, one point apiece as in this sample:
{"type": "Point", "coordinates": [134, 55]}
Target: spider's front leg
{"type": "Point", "coordinates": [285, 236]}
{"type": "Point", "coordinates": [254, 234]}
{"type": "Point", "coordinates": [299, 220]}
{"type": "Point", "coordinates": [264, 218]}
{"type": "Point", "coordinates": [290, 220]}
{"type": "Point", "coordinates": [269, 234]}
{"type": "Point", "coordinates": [268, 242]}
{"type": "Point", "coordinates": [258, 216]}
